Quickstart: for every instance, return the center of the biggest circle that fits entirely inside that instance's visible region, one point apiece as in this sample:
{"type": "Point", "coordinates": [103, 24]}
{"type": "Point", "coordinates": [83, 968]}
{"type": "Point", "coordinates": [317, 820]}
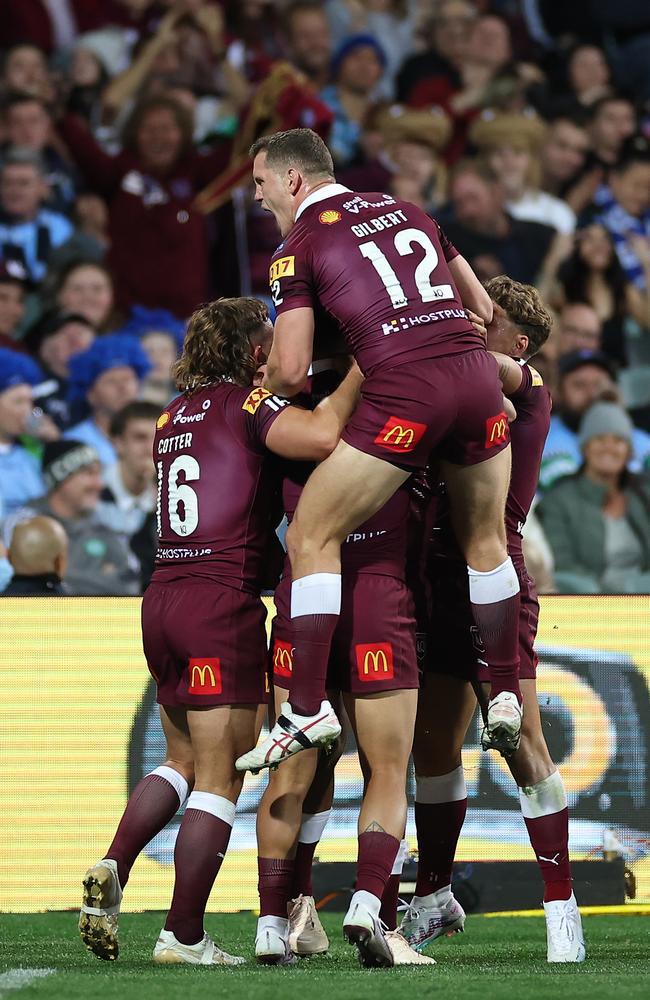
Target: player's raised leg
{"type": "Point", "coordinates": [153, 803]}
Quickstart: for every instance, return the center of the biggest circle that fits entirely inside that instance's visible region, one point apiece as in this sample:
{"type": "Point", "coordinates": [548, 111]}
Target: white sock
{"type": "Point", "coordinates": [175, 779]}
{"type": "Point", "coordinates": [316, 594]}
{"type": "Point", "coordinates": [437, 898]}
{"type": "Point", "coordinates": [495, 585]}
{"type": "Point", "coordinates": [449, 787]}
{"type": "Point", "coordinates": [312, 826]}
{"type": "Point", "coordinates": [400, 858]}
{"type": "Point", "coordinates": [367, 899]}
{"type": "Point", "coordinates": [543, 799]}
{"type": "Point", "coordinates": [216, 805]}
{"type": "Point", "coordinates": [279, 924]}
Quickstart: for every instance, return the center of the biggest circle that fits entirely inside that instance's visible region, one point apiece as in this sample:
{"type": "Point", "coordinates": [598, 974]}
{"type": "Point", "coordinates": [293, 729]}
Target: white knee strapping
{"type": "Point", "coordinates": [544, 798]}
{"type": "Point", "coordinates": [400, 858]}
{"type": "Point", "coordinates": [495, 585]}
{"type": "Point", "coordinates": [312, 826]}
{"type": "Point", "coordinates": [175, 779]}
{"type": "Point", "coordinates": [316, 594]}
{"type": "Point", "coordinates": [216, 805]}
{"type": "Point", "coordinates": [449, 787]}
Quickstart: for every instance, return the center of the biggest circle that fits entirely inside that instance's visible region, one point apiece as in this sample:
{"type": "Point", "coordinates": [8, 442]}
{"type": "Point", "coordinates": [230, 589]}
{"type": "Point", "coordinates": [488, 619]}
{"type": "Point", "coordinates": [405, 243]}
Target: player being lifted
{"type": "Point", "coordinates": [385, 273]}
{"type": "Point", "coordinates": [203, 621]}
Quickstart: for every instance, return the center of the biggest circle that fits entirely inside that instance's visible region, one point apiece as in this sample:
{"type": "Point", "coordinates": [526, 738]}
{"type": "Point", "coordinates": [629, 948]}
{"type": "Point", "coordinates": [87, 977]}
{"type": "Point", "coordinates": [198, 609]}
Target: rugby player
{"type": "Point", "coordinates": [385, 273]}
{"type": "Point", "coordinates": [203, 621]}
{"type": "Point", "coordinates": [373, 663]}
{"type": "Point", "coordinates": [455, 659]}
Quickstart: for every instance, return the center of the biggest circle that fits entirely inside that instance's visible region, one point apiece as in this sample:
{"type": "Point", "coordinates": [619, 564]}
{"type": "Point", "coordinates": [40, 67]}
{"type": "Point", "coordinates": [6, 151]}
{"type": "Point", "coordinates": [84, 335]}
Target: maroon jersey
{"type": "Point", "coordinates": [528, 433]}
{"type": "Point", "coordinates": [378, 266]}
{"type": "Point", "coordinates": [214, 481]}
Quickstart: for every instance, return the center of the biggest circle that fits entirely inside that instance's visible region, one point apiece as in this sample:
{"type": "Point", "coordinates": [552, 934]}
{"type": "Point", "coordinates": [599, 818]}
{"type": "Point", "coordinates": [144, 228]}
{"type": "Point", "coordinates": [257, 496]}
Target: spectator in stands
{"type": "Point", "coordinates": [26, 72]}
{"type": "Point", "coordinates": [597, 521]}
{"type": "Point", "coordinates": [391, 22]}
{"type": "Point", "coordinates": [28, 125]}
{"type": "Point", "coordinates": [611, 122]}
{"type": "Point", "coordinates": [588, 75]}
{"type": "Point", "coordinates": [448, 34]}
{"type": "Point", "coordinates": [107, 376]}
{"type": "Point", "coordinates": [39, 555]}
{"type": "Point", "coordinates": [14, 285]}
{"type": "Point", "coordinates": [86, 287]}
{"type": "Point", "coordinates": [356, 70]}
{"type": "Point", "coordinates": [623, 208]}
{"type": "Point", "coordinates": [562, 156]}
{"type": "Point", "coordinates": [585, 377]}
{"type": "Point", "coordinates": [578, 328]}
{"type": "Point", "coordinates": [480, 227]}
{"type": "Point", "coordinates": [309, 43]}
{"type": "Point", "coordinates": [159, 245]}
{"type": "Point", "coordinates": [161, 347]}
{"type": "Point", "coordinates": [87, 77]}
{"type": "Point", "coordinates": [511, 144]}
{"type": "Point", "coordinates": [130, 485]}
{"type": "Point", "coordinates": [55, 339]}
{"type": "Point", "coordinates": [100, 562]}
{"type": "Point", "coordinates": [28, 232]}
{"type": "Point", "coordinates": [20, 474]}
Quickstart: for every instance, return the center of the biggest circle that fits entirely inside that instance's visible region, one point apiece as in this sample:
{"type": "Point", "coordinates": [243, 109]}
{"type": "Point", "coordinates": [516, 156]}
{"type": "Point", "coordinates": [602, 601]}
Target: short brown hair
{"type": "Point", "coordinates": [297, 147]}
{"type": "Point", "coordinates": [524, 307]}
{"type": "Point", "coordinates": [138, 410]}
{"type": "Point", "coordinates": [143, 108]}
{"type": "Point", "coordinates": [218, 343]}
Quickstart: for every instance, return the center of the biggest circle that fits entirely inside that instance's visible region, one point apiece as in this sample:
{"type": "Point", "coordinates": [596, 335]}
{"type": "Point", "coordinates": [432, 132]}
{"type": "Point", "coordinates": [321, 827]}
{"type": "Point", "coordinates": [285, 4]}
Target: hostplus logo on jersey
{"type": "Point", "coordinates": [403, 323]}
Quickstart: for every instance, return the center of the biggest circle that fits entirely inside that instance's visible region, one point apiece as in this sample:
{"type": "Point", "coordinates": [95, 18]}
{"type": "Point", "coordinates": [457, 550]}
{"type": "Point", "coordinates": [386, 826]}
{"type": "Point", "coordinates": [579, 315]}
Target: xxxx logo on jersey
{"type": "Point", "coordinates": [375, 661]}
{"type": "Point", "coordinates": [398, 434]}
{"type": "Point", "coordinates": [205, 675]}
{"type": "Point", "coordinates": [255, 398]}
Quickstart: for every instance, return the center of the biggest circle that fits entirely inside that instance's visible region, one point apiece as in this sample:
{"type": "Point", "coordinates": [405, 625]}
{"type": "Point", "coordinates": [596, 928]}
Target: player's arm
{"type": "Point", "coordinates": [291, 353]}
{"type": "Point", "coordinates": [510, 372]}
{"type": "Point", "coordinates": [312, 435]}
{"type": "Point", "coordinates": [471, 291]}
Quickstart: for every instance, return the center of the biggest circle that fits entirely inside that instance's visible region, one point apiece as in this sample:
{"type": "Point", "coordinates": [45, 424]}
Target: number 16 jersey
{"type": "Point", "coordinates": [378, 266]}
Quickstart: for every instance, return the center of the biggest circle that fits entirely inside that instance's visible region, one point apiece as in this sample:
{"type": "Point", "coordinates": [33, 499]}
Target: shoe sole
{"type": "Point", "coordinates": [289, 959]}
{"type": "Point", "coordinates": [501, 739]}
{"type": "Point", "coordinates": [97, 933]}
{"type": "Point", "coordinates": [169, 957]}
{"type": "Point", "coordinates": [457, 927]}
{"type": "Point", "coordinates": [373, 950]}
{"type": "Point", "coordinates": [326, 743]}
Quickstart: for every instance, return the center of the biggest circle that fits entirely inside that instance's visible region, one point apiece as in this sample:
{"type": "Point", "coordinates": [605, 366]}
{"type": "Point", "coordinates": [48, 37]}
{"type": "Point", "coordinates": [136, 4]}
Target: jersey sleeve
{"type": "Point", "coordinates": [448, 248]}
{"type": "Point", "coordinates": [290, 280]}
{"type": "Point", "coordinates": [530, 379]}
{"type": "Point", "coordinates": [260, 409]}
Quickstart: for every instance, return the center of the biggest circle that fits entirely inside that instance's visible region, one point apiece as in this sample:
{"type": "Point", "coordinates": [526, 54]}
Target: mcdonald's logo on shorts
{"type": "Point", "coordinates": [205, 675]}
{"type": "Point", "coordinates": [496, 430]}
{"type": "Point", "coordinates": [282, 658]}
{"type": "Point", "coordinates": [400, 435]}
{"type": "Point", "coordinates": [375, 661]}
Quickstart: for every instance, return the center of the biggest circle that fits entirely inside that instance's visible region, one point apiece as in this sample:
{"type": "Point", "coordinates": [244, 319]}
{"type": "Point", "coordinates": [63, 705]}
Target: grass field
{"type": "Point", "coordinates": [496, 957]}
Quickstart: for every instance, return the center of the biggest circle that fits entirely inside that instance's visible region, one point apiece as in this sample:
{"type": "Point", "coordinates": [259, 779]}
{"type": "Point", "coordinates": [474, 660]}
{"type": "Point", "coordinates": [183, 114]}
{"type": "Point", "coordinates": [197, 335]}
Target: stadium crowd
{"type": "Point", "coordinates": [125, 202]}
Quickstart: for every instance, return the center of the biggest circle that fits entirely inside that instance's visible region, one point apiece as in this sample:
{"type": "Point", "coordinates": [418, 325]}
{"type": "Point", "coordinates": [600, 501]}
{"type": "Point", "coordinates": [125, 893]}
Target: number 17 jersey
{"type": "Point", "coordinates": [378, 266]}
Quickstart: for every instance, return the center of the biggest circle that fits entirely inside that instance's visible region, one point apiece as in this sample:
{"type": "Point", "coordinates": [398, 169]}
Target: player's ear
{"type": "Point", "coordinates": [294, 180]}
{"type": "Point", "coordinates": [521, 344]}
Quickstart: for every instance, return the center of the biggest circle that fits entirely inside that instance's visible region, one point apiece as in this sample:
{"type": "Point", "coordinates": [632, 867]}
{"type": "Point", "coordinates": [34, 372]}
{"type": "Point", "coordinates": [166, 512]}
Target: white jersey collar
{"type": "Point", "coordinates": [329, 191]}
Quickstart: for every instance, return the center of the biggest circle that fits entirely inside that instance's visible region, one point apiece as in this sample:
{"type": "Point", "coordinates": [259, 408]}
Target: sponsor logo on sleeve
{"type": "Point", "coordinates": [400, 435]}
{"type": "Point", "coordinates": [283, 267]}
{"type": "Point", "coordinates": [375, 661]}
{"type": "Point", "coordinates": [205, 675]}
{"type": "Point", "coordinates": [163, 419]}
{"type": "Point", "coordinates": [496, 430]}
{"type": "Point", "coordinates": [282, 658]}
{"type": "Point", "coordinates": [255, 399]}
{"type": "Point", "coordinates": [537, 378]}
{"type": "Point", "coordinates": [329, 217]}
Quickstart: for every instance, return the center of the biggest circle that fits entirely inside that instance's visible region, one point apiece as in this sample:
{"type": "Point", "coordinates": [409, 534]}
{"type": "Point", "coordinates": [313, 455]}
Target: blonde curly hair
{"type": "Point", "coordinates": [524, 307]}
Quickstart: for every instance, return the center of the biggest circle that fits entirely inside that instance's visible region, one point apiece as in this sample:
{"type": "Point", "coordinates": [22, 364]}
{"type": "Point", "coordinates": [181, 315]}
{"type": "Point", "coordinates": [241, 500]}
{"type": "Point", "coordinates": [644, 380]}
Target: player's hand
{"type": "Point", "coordinates": [478, 323]}
{"type": "Point", "coordinates": [509, 409]}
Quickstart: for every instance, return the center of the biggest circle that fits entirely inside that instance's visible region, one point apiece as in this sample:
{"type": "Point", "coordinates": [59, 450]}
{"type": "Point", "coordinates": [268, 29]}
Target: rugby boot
{"type": "Point", "coordinates": [272, 942]}
{"type": "Point", "coordinates": [502, 730]}
{"type": "Point", "coordinates": [170, 951]}
{"type": "Point", "coordinates": [402, 952]}
{"type": "Point", "coordinates": [291, 734]}
{"type": "Point", "coordinates": [364, 929]}
{"type": "Point", "coordinates": [429, 917]}
{"type": "Point", "coordinates": [100, 908]}
{"type": "Point", "coordinates": [306, 933]}
{"type": "Point", "coordinates": [564, 938]}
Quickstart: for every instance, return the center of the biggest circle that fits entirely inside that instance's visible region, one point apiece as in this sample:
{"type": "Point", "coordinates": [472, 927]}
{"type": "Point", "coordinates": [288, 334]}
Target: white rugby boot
{"type": "Point", "coordinates": [502, 730]}
{"type": "Point", "coordinates": [402, 952]}
{"type": "Point", "coordinates": [306, 933]}
{"type": "Point", "coordinates": [291, 734]}
{"type": "Point", "coordinates": [430, 917]}
{"type": "Point", "coordinates": [170, 951]}
{"type": "Point", "coordinates": [100, 908]}
{"type": "Point", "coordinates": [272, 942]}
{"type": "Point", "coordinates": [564, 938]}
{"type": "Point", "coordinates": [363, 928]}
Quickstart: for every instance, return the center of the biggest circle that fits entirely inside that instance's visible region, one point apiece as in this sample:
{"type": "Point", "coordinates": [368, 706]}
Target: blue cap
{"type": "Point", "coordinates": [143, 321]}
{"type": "Point", "coordinates": [353, 42]}
{"type": "Point", "coordinates": [111, 351]}
{"type": "Point", "coordinates": [18, 369]}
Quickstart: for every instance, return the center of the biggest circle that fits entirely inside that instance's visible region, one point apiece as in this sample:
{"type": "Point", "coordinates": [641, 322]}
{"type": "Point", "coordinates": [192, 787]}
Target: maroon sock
{"type": "Point", "coordinates": [498, 625]}
{"type": "Point", "coordinates": [274, 885]}
{"type": "Point", "coordinates": [549, 836]}
{"type": "Point", "coordinates": [200, 848]}
{"type": "Point", "coordinates": [152, 804]}
{"type": "Point", "coordinates": [389, 901]}
{"type": "Point", "coordinates": [438, 828]}
{"type": "Point", "coordinates": [302, 884]}
{"type": "Point", "coordinates": [312, 639]}
{"type": "Point", "coordinates": [377, 853]}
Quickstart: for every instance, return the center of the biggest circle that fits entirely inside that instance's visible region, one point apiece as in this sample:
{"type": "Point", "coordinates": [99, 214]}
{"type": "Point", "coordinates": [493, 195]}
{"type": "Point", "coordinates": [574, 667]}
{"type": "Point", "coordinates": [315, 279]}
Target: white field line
{"type": "Point", "coordinates": [17, 979]}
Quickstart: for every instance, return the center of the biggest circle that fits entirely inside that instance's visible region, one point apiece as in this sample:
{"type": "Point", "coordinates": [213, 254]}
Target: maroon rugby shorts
{"type": "Point", "coordinates": [374, 646]}
{"type": "Point", "coordinates": [450, 407]}
{"type": "Point", "coordinates": [205, 644]}
{"type": "Point", "coordinates": [454, 646]}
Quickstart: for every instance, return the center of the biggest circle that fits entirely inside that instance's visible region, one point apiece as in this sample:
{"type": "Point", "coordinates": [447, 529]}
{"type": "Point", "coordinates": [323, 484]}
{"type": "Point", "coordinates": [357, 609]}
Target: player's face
{"type": "Point", "coordinates": [503, 336]}
{"type": "Point", "coordinates": [273, 193]}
